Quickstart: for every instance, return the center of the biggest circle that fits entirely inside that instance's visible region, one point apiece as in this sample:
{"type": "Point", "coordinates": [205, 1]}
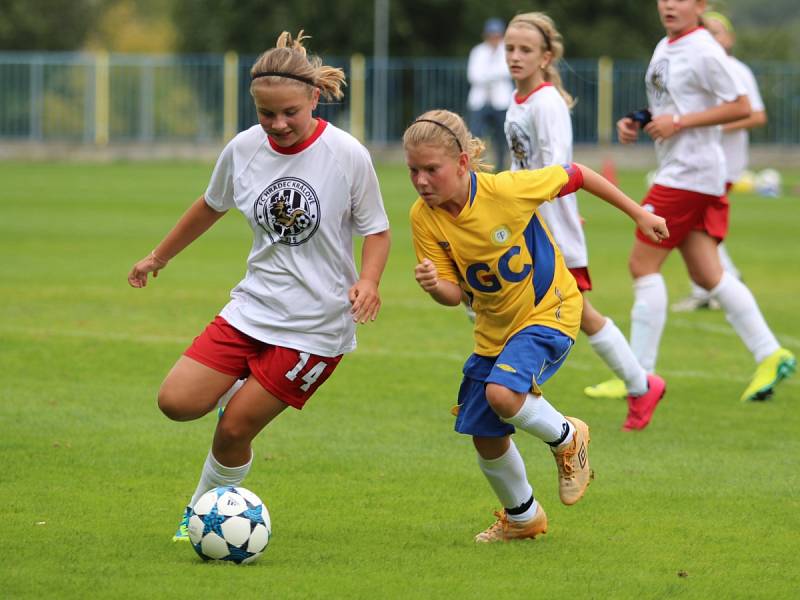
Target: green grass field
{"type": "Point", "coordinates": [371, 493]}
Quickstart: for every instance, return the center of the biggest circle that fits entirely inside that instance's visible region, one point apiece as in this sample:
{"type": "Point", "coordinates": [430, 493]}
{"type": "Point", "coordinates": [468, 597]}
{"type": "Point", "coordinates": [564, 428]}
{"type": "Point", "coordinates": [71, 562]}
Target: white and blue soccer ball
{"type": "Point", "coordinates": [768, 183]}
{"type": "Point", "coordinates": [231, 524]}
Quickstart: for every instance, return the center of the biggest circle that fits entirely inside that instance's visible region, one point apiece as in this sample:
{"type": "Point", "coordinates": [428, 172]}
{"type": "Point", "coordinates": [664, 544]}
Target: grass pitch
{"type": "Point", "coordinates": [370, 492]}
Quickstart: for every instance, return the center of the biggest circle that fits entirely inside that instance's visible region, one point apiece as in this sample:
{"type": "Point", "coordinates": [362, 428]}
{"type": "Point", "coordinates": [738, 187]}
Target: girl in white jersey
{"type": "Point", "coordinates": [305, 188]}
{"type": "Point", "coordinates": [735, 140]}
{"type": "Point", "coordinates": [539, 133]}
{"type": "Point", "coordinates": [692, 89]}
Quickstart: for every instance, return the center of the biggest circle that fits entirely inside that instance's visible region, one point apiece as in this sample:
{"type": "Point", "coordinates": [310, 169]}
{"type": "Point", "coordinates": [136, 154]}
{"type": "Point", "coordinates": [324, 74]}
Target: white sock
{"type": "Point", "coordinates": [648, 317]}
{"type": "Point", "coordinates": [613, 348]}
{"type": "Point", "coordinates": [699, 293]}
{"type": "Point", "coordinates": [538, 417]}
{"type": "Point", "coordinates": [743, 313]}
{"type": "Point", "coordinates": [217, 475]}
{"type": "Point", "coordinates": [727, 266]}
{"type": "Point", "coordinates": [509, 481]}
{"type": "Point", "coordinates": [225, 398]}
{"type": "Point", "coordinates": [727, 262]}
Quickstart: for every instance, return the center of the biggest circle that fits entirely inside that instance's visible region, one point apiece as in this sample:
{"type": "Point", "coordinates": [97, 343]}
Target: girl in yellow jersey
{"type": "Point", "coordinates": [479, 235]}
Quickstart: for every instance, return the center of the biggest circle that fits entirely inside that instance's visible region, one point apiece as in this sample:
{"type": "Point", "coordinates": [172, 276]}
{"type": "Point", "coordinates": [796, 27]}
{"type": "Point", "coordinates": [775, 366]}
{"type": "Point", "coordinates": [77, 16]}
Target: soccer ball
{"type": "Point", "coordinates": [746, 183]}
{"type": "Point", "coordinates": [229, 523]}
{"type": "Point", "coordinates": [768, 183]}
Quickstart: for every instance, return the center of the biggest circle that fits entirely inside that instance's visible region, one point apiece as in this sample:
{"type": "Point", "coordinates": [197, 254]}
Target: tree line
{"type": "Point", "coordinates": [437, 28]}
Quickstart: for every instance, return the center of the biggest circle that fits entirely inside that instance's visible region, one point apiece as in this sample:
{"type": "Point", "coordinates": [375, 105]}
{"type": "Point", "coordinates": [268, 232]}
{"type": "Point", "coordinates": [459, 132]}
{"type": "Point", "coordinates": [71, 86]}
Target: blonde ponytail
{"type": "Point", "coordinates": [290, 61]}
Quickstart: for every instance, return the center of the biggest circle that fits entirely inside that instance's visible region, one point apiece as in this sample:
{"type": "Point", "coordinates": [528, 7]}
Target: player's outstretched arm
{"type": "Point", "coordinates": [194, 222]}
{"type": "Point", "coordinates": [444, 292]}
{"type": "Point", "coordinates": [364, 295]}
{"type": "Point", "coordinates": [653, 226]}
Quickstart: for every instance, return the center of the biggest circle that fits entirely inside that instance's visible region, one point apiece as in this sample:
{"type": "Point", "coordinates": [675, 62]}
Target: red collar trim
{"type": "Point", "coordinates": [520, 99]}
{"type": "Point", "coordinates": [300, 146]}
{"type": "Point", "coordinates": [684, 34]}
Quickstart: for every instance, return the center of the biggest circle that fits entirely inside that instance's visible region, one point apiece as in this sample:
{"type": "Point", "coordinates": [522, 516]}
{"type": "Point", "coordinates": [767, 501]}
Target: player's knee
{"type": "Point", "coordinates": [707, 281]}
{"type": "Point", "coordinates": [636, 266]}
{"type": "Point", "coordinates": [502, 400]}
{"type": "Point", "coordinates": [173, 404]}
{"type": "Point", "coordinates": [232, 433]}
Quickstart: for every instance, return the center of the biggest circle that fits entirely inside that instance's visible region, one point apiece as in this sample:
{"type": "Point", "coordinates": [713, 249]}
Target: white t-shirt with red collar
{"type": "Point", "coordinates": [690, 74]}
{"type": "Point", "coordinates": [304, 204]}
{"type": "Point", "coordinates": [539, 133]}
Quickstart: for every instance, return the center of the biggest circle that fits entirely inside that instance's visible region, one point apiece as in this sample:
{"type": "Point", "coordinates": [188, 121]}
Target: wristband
{"type": "Point", "coordinates": [159, 260]}
{"type": "Point", "coordinates": [676, 123]}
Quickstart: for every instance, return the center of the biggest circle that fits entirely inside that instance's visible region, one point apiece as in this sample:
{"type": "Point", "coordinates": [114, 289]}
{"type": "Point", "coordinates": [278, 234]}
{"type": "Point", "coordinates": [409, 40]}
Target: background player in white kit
{"type": "Point", "coordinates": [305, 188]}
{"type": "Point", "coordinates": [735, 140]}
{"type": "Point", "coordinates": [691, 89]}
{"type": "Point", "coordinates": [539, 133]}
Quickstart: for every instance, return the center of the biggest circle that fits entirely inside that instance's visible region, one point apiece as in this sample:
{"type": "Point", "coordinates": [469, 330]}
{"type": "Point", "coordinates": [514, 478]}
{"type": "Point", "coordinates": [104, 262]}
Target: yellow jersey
{"type": "Point", "coordinates": [501, 253]}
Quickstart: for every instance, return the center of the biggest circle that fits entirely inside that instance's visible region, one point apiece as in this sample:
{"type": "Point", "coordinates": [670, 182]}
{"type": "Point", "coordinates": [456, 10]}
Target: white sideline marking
{"type": "Point", "coordinates": [366, 352]}
{"type": "Point", "coordinates": [786, 340]}
{"type": "Point", "coordinates": [105, 336]}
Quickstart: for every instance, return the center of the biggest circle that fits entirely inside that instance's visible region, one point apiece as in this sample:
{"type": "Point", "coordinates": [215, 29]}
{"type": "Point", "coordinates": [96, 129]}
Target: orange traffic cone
{"type": "Point", "coordinates": [609, 170]}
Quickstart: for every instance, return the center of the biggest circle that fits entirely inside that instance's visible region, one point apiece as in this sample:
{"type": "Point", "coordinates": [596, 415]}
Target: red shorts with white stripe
{"type": "Point", "coordinates": [684, 212]}
{"type": "Point", "coordinates": [290, 375]}
{"type": "Point", "coordinates": [582, 278]}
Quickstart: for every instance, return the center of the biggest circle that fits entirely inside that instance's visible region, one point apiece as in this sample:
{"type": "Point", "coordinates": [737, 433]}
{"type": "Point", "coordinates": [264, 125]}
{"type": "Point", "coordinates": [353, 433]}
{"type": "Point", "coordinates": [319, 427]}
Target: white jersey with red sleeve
{"type": "Point", "coordinates": [539, 133]}
{"type": "Point", "coordinates": [690, 74]}
{"type": "Point", "coordinates": [734, 143]}
{"type": "Point", "coordinates": [304, 204]}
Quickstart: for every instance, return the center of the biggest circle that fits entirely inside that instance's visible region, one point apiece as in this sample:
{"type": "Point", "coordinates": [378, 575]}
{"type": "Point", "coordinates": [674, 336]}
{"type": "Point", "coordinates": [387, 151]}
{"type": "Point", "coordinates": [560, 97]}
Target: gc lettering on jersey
{"type": "Point", "coordinates": [481, 278]}
{"type": "Point", "coordinates": [288, 210]}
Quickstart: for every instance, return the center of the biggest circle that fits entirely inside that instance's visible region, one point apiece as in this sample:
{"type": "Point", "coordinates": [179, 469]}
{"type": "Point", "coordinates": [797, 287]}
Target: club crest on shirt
{"type": "Point", "coordinates": [520, 146]}
{"type": "Point", "coordinates": [499, 236]}
{"type": "Point", "coordinates": [657, 79]}
{"type": "Point", "coordinates": [289, 210]}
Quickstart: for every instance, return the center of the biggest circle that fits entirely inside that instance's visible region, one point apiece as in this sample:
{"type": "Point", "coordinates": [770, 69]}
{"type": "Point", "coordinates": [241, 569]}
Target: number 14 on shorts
{"type": "Point", "coordinates": [311, 376]}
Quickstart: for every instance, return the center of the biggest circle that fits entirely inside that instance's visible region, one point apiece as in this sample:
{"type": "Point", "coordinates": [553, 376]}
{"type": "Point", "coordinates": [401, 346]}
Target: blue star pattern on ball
{"type": "Point", "coordinates": [230, 524]}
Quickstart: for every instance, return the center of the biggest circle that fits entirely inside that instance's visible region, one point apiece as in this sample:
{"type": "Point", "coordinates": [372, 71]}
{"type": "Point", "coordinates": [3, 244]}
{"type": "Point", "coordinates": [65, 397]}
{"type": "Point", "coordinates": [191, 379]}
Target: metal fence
{"type": "Point", "coordinates": [120, 98]}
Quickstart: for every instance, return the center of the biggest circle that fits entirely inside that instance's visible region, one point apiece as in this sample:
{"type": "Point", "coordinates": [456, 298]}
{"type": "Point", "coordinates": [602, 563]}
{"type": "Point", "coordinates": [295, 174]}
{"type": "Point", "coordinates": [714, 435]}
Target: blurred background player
{"type": "Point", "coordinates": [490, 89]}
{"type": "Point", "coordinates": [692, 88]}
{"type": "Point", "coordinates": [539, 133]}
{"type": "Point", "coordinates": [305, 188]}
{"type": "Point", "coordinates": [735, 140]}
{"type": "Point", "coordinates": [483, 231]}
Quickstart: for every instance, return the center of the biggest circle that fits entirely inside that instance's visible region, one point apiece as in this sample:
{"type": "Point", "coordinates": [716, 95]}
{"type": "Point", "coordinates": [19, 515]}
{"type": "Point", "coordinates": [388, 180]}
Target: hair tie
{"type": "Point", "coordinates": [443, 126]}
{"type": "Point", "coordinates": [282, 74]}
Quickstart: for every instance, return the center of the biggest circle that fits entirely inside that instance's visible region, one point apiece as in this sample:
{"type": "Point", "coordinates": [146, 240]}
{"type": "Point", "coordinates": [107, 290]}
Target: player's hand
{"type": "Point", "coordinates": [366, 301]}
{"type": "Point", "coordinates": [653, 226]}
{"type": "Point", "coordinates": [627, 130]}
{"type": "Point", "coordinates": [661, 127]}
{"type": "Point", "coordinates": [426, 275]}
{"type": "Point", "coordinates": [149, 264]}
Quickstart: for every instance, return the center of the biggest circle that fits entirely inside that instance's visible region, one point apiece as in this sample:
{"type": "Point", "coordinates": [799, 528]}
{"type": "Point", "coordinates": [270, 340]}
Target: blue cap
{"type": "Point", "coordinates": [494, 25]}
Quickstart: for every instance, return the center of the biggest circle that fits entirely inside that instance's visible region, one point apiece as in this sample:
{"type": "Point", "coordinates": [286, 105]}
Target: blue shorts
{"type": "Point", "coordinates": [529, 359]}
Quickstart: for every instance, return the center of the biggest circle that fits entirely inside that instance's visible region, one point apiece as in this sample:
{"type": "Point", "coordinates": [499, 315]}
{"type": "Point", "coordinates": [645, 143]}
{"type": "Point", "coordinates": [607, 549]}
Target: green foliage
{"type": "Point", "coordinates": [417, 27]}
{"type": "Point", "coordinates": [371, 493]}
{"type": "Point", "coordinates": [45, 24]}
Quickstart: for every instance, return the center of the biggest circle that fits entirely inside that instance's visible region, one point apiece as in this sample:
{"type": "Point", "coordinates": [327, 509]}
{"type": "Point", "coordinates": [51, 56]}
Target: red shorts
{"type": "Point", "coordinates": [289, 375]}
{"type": "Point", "coordinates": [582, 278]}
{"type": "Point", "coordinates": [684, 212]}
